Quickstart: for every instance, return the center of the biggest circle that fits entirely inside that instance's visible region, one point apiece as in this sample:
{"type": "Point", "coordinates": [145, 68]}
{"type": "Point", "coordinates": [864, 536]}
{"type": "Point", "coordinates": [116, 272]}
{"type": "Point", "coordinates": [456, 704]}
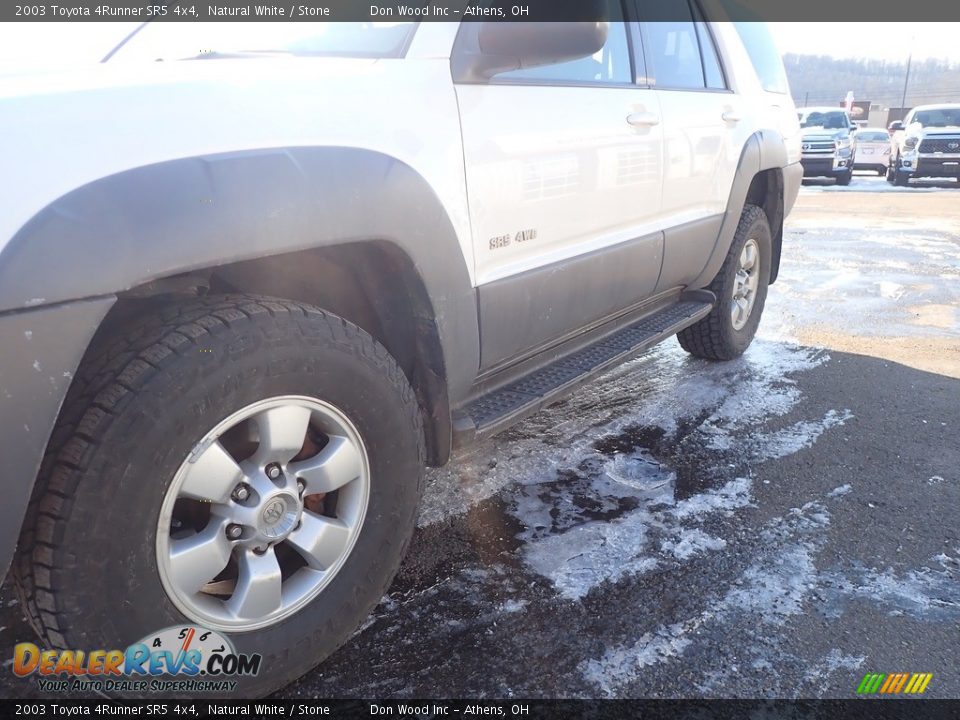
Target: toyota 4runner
{"type": "Point", "coordinates": [925, 144]}
{"type": "Point", "coordinates": [247, 297]}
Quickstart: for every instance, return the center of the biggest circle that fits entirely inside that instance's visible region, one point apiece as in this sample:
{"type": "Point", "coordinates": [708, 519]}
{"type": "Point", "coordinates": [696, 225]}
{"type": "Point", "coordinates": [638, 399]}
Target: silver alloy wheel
{"type": "Point", "coordinates": [263, 513]}
{"type": "Point", "coordinates": [745, 284]}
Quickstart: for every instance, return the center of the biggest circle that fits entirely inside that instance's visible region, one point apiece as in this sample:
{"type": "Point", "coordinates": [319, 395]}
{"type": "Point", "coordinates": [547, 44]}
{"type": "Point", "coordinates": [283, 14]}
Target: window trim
{"type": "Point", "coordinates": [648, 63]}
{"type": "Point", "coordinates": [699, 17]}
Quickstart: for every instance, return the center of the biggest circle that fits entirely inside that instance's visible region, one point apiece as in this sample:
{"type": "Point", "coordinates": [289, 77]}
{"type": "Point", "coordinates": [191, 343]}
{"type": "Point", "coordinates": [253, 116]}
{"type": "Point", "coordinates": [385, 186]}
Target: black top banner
{"type": "Point", "coordinates": [519, 709]}
{"type": "Point", "coordinates": [472, 10]}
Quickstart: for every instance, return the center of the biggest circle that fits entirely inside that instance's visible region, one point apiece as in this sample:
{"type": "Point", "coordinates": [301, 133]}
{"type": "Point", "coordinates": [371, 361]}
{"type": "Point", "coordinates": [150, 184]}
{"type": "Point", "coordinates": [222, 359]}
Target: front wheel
{"type": "Point", "coordinates": [244, 465]}
{"type": "Point", "coordinates": [741, 291]}
{"type": "Point", "coordinates": [845, 178]}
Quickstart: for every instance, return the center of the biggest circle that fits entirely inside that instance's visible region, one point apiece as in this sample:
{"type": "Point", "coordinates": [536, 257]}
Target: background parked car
{"type": "Point", "coordinates": [872, 151]}
{"type": "Point", "coordinates": [828, 140]}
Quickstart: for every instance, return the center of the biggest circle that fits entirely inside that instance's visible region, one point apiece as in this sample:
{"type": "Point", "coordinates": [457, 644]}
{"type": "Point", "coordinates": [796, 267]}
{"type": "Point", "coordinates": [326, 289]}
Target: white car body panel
{"type": "Point", "coordinates": [574, 170]}
{"type": "Point", "coordinates": [357, 103]}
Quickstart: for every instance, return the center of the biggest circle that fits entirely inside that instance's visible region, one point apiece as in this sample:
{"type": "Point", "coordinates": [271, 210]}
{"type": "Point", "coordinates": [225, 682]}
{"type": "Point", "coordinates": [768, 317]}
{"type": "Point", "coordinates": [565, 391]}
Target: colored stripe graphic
{"type": "Point", "coordinates": [894, 683]}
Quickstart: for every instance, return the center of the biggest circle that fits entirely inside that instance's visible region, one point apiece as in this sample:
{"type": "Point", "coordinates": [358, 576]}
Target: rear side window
{"type": "Point", "coordinates": [764, 55]}
{"type": "Point", "coordinates": [680, 48]}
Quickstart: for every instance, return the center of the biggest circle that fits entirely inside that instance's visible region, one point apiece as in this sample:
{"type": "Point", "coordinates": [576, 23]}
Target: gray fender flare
{"type": "Point", "coordinates": [764, 150]}
{"type": "Point", "coordinates": [159, 220]}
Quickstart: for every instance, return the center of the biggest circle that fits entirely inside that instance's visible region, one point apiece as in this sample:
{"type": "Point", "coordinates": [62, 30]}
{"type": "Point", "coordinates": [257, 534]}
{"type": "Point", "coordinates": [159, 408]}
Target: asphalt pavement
{"type": "Point", "coordinates": [776, 526]}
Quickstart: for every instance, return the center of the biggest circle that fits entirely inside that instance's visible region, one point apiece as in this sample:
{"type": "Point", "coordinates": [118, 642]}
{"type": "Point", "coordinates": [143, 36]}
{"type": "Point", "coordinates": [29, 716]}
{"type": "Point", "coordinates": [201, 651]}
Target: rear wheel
{"type": "Point", "coordinates": [741, 291]}
{"type": "Point", "coordinates": [246, 465]}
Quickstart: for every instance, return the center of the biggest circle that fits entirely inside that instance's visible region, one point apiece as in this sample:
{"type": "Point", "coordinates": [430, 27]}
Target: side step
{"type": "Point", "coordinates": [501, 408]}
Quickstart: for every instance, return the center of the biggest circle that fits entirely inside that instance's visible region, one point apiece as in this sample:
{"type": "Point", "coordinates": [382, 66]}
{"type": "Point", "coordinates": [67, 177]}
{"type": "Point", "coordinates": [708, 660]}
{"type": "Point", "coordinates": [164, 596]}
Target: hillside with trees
{"type": "Point", "coordinates": [823, 80]}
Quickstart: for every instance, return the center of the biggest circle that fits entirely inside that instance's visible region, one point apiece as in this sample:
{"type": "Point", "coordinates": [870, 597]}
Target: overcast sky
{"type": "Point", "coordinates": [51, 45]}
{"type": "Point", "coordinates": [878, 41]}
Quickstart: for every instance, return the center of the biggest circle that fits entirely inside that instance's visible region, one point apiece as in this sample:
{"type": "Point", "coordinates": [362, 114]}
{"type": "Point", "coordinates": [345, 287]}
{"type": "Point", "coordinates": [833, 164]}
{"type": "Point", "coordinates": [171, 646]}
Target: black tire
{"type": "Point", "coordinates": [845, 178]}
{"type": "Point", "coordinates": [881, 171]}
{"type": "Point", "coordinates": [901, 179]}
{"type": "Point", "coordinates": [714, 337]}
{"type": "Point", "coordinates": [87, 568]}
{"type": "Point", "coordinates": [891, 173]}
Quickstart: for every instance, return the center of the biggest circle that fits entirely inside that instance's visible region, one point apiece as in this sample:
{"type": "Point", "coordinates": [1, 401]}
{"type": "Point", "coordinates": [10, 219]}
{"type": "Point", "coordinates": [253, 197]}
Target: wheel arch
{"type": "Point", "coordinates": [250, 219]}
{"type": "Point", "coordinates": [373, 284]}
{"type": "Point", "coordinates": [152, 231]}
{"type": "Point", "coordinates": [759, 180]}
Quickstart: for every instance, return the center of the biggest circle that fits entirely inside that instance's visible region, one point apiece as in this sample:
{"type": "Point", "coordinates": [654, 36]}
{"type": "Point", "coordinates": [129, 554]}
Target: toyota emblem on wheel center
{"type": "Point", "coordinates": [273, 512]}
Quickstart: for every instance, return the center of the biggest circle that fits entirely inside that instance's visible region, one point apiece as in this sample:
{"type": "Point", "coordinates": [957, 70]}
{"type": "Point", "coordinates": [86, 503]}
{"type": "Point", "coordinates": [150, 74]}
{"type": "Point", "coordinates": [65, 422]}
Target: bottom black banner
{"type": "Point", "coordinates": [874, 709]}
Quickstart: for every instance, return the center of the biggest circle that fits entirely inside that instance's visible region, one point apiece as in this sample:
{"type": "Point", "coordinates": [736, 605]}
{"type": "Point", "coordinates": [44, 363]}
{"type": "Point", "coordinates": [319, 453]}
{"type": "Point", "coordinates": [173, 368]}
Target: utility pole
{"type": "Point", "coordinates": [906, 79]}
{"type": "Point", "coordinates": [806, 99]}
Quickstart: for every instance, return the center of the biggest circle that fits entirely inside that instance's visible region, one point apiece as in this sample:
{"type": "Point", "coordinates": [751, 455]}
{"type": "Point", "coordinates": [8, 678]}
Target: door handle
{"type": "Point", "coordinates": [643, 119]}
{"type": "Point", "coordinates": [731, 116]}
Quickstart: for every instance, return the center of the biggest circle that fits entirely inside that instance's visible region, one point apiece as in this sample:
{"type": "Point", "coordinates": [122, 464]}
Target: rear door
{"type": "Point", "coordinates": [703, 133]}
{"type": "Point", "coordinates": [563, 166]}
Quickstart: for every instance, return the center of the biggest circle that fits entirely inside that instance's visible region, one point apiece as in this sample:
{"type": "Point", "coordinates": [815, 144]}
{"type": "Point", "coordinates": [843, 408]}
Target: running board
{"type": "Point", "coordinates": [501, 408]}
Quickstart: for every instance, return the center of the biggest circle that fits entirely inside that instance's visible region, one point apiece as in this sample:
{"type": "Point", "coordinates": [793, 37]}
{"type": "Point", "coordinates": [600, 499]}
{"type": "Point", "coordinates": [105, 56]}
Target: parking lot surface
{"type": "Point", "coordinates": [776, 526]}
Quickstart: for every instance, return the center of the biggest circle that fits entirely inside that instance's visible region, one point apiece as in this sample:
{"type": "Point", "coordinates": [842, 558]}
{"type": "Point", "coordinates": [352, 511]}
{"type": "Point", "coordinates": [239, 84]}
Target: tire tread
{"type": "Point", "coordinates": [705, 339]}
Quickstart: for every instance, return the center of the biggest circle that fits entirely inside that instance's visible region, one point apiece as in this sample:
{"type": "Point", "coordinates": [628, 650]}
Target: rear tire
{"type": "Point", "coordinates": [718, 336]}
{"type": "Point", "coordinates": [89, 565]}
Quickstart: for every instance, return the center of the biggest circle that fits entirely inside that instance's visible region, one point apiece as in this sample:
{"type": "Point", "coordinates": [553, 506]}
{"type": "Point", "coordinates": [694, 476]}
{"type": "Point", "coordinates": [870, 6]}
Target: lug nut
{"type": "Point", "coordinates": [273, 471]}
{"type": "Point", "coordinates": [301, 485]}
{"type": "Point", "coordinates": [234, 531]}
{"type": "Point", "coordinates": [241, 492]}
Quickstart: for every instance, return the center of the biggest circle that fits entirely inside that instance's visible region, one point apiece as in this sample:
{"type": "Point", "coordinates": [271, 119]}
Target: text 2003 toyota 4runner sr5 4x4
{"type": "Point", "coordinates": [244, 301]}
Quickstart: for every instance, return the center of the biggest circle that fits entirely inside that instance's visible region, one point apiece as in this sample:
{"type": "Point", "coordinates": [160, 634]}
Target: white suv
{"type": "Point", "coordinates": [246, 297]}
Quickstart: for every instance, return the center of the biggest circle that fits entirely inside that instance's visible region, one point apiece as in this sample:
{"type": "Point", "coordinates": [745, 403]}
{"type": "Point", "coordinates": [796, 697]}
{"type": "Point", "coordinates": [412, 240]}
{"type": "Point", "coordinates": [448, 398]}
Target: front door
{"type": "Point", "coordinates": [563, 167]}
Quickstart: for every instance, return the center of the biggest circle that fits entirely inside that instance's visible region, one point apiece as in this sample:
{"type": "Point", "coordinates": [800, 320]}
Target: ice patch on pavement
{"type": "Point", "coordinates": [735, 494]}
{"type": "Point", "coordinates": [658, 389]}
{"type": "Point", "coordinates": [768, 593]}
{"type": "Point", "coordinates": [652, 648]}
{"type": "Point", "coordinates": [796, 437]}
{"type": "Point", "coordinates": [692, 542]}
{"type": "Point", "coordinates": [585, 556]}
{"type": "Point", "coordinates": [835, 660]}
{"type": "Point", "coordinates": [921, 593]}
{"type": "Point", "coordinates": [636, 470]}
